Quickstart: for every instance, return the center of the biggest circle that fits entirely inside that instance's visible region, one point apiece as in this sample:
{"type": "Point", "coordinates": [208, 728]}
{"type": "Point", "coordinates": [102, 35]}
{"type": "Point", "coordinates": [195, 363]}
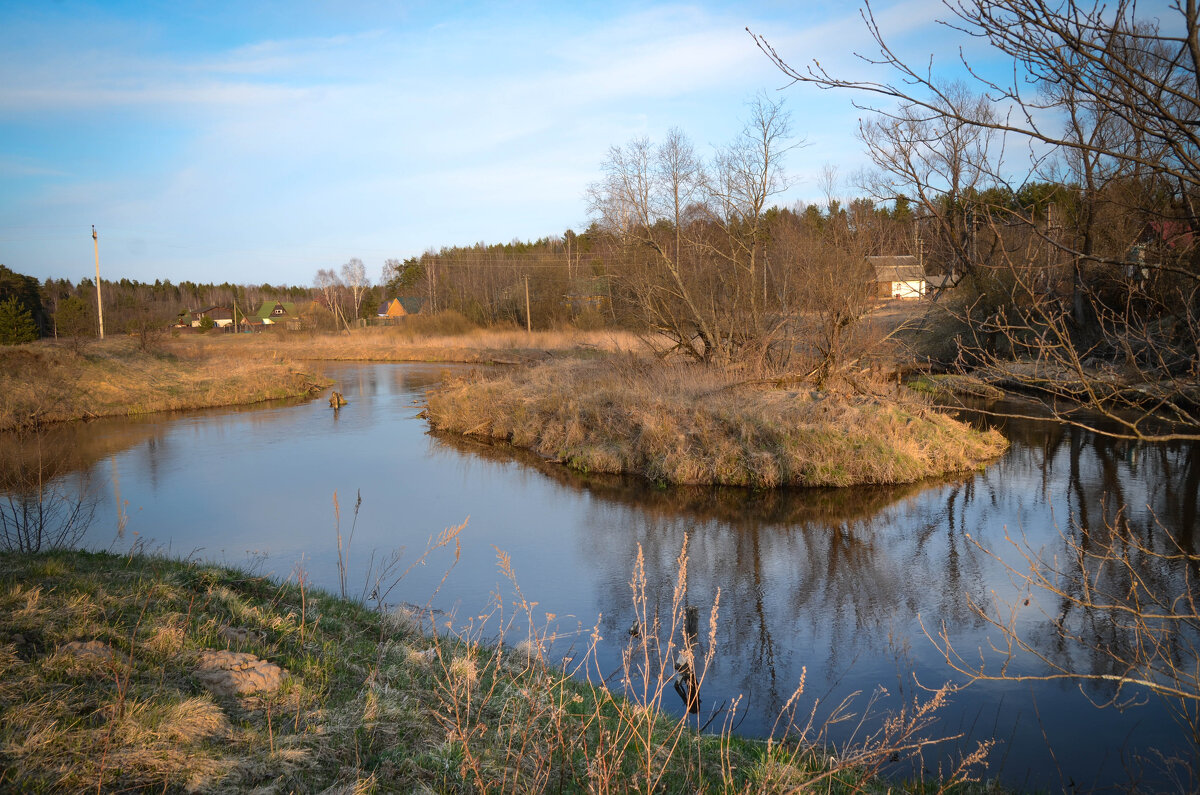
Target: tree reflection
{"type": "Point", "coordinates": [845, 578]}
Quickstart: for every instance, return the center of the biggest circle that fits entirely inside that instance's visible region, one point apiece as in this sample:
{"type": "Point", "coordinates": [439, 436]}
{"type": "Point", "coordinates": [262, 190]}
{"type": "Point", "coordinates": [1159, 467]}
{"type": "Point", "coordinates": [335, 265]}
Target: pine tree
{"type": "Point", "coordinates": [16, 323]}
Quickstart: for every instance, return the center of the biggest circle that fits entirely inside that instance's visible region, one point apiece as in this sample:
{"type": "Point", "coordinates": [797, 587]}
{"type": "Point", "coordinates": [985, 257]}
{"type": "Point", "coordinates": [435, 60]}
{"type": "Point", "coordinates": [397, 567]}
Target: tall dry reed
{"type": "Point", "coordinates": [527, 706]}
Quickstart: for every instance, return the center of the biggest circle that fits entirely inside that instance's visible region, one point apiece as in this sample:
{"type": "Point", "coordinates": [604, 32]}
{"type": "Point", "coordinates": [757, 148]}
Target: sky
{"type": "Point", "coordinates": [258, 142]}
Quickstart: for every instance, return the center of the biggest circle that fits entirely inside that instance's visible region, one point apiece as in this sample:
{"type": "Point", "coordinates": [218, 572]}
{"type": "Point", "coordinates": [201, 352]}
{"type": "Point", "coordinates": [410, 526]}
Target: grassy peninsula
{"type": "Point", "coordinates": [687, 425]}
{"type": "Point", "coordinates": [47, 383]}
{"type": "Point", "coordinates": [104, 687]}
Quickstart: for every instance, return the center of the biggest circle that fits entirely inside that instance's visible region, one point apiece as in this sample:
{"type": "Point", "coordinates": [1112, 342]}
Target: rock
{"type": "Point", "coordinates": [228, 673]}
{"type": "Point", "coordinates": [90, 650]}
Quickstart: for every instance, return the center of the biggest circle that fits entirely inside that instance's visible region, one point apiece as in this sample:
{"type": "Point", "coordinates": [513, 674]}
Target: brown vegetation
{"type": "Point", "coordinates": [46, 383]}
{"type": "Point", "coordinates": [446, 337]}
{"type": "Point", "coordinates": [689, 425]}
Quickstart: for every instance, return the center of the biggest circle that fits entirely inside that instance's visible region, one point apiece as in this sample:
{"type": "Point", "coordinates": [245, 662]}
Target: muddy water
{"type": "Point", "coordinates": [838, 588]}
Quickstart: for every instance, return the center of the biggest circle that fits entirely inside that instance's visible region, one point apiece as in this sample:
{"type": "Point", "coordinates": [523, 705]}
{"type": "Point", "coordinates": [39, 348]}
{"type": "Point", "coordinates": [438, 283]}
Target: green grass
{"type": "Point", "coordinates": [370, 703]}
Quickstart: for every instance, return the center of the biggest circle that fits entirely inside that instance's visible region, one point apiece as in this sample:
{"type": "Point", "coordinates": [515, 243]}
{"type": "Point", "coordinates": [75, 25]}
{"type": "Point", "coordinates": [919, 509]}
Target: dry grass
{"type": "Point", "coordinates": [415, 342]}
{"type": "Point", "coordinates": [45, 383]}
{"type": "Point", "coordinates": [136, 718]}
{"type": "Point", "coordinates": [686, 425]}
{"type": "Point", "coordinates": [372, 704]}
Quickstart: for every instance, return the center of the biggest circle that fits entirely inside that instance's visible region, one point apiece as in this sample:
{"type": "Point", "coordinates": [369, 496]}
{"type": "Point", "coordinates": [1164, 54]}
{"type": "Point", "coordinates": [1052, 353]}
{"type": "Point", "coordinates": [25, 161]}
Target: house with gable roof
{"type": "Point", "coordinates": [401, 307]}
{"type": "Point", "coordinates": [899, 276]}
{"type": "Point", "coordinates": [275, 312]}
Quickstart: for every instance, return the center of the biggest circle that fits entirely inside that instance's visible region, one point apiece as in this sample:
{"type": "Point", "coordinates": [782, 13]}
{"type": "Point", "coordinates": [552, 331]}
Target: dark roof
{"type": "Point", "coordinates": [901, 268]}
{"type": "Point", "coordinates": [412, 304]}
{"type": "Point", "coordinates": [215, 312]}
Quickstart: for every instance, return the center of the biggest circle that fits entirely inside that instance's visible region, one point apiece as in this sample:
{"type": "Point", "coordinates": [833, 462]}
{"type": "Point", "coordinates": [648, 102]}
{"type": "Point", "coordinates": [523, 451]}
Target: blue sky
{"type": "Point", "coordinates": [258, 142]}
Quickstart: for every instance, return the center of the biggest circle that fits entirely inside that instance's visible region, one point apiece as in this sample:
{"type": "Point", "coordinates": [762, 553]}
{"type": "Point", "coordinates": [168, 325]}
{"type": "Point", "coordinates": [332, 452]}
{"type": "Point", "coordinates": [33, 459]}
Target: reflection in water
{"type": "Point", "coordinates": [838, 583]}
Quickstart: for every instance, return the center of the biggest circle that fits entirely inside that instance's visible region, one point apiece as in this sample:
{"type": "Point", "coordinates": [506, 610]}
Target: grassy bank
{"type": "Point", "coordinates": [690, 426]}
{"type": "Point", "coordinates": [102, 671]}
{"type": "Point", "coordinates": [46, 383]}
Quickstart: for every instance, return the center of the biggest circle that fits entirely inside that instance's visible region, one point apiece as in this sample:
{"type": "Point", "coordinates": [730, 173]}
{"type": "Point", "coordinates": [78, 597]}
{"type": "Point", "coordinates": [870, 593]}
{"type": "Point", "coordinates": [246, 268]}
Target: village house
{"type": "Point", "coordinates": [221, 316]}
{"type": "Point", "coordinates": [899, 276]}
{"type": "Point", "coordinates": [276, 312]}
{"type": "Point", "coordinates": [400, 307]}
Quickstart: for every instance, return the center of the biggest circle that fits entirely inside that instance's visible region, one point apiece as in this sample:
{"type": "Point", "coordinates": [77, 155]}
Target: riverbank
{"type": "Point", "coordinates": [684, 425]}
{"type": "Point", "coordinates": [47, 383]}
{"type": "Point", "coordinates": [137, 672]}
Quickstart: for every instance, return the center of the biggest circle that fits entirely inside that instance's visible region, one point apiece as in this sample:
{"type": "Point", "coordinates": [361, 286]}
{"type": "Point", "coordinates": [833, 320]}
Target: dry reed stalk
{"type": "Point", "coordinates": [519, 722]}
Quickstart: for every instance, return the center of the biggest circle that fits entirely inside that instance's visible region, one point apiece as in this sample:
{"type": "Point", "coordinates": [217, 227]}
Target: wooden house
{"type": "Point", "coordinates": [899, 276]}
{"type": "Point", "coordinates": [401, 307]}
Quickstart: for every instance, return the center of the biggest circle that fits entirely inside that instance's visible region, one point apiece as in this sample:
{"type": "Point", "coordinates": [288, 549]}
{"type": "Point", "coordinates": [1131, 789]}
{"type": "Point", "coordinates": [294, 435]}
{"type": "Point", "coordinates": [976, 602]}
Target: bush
{"type": "Point", "coordinates": [447, 323]}
{"type": "Point", "coordinates": [74, 318]}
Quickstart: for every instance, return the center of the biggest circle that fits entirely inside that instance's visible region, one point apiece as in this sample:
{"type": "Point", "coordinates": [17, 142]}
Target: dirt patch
{"type": "Point", "coordinates": [90, 650]}
{"type": "Point", "coordinates": [228, 674]}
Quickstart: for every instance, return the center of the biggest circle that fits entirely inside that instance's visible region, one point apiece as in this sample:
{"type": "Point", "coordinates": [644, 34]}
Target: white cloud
{"type": "Point", "coordinates": [398, 139]}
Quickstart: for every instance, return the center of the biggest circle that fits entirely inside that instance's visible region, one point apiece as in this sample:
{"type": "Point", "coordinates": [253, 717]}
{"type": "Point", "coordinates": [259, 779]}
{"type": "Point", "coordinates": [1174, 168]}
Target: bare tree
{"type": "Point", "coordinates": [642, 200]}
{"type": "Point", "coordinates": [1101, 305]}
{"type": "Point", "coordinates": [330, 286]}
{"type": "Point", "coordinates": [354, 274]}
{"type": "Point", "coordinates": [941, 162]}
{"type": "Point", "coordinates": [1113, 608]}
{"type": "Point", "coordinates": [695, 239]}
{"type": "Point", "coordinates": [748, 174]}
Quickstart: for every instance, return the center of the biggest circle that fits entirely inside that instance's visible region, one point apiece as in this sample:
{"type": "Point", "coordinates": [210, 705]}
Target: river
{"type": "Point", "coordinates": [836, 586]}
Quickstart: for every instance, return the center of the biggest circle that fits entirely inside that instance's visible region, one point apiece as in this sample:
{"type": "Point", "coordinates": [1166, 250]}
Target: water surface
{"type": "Point", "coordinates": [837, 586]}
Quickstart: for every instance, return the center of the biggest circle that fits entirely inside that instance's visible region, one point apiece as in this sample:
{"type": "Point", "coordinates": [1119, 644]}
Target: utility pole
{"type": "Point", "coordinates": [99, 301]}
{"type": "Point", "coordinates": [528, 320]}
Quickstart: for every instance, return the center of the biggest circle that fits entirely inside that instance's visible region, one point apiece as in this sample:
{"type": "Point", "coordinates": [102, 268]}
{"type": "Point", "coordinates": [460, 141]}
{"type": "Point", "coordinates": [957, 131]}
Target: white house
{"type": "Point", "coordinates": [899, 276]}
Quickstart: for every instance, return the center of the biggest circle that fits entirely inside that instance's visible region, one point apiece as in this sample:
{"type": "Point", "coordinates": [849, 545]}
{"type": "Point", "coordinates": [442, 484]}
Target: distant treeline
{"type": "Point", "coordinates": [61, 307]}
{"type": "Point", "coordinates": [583, 277]}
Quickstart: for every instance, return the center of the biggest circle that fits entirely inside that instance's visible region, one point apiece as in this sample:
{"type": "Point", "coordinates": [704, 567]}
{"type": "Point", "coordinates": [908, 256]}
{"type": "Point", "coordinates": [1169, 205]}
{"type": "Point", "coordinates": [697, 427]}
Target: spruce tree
{"type": "Point", "coordinates": [16, 323]}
